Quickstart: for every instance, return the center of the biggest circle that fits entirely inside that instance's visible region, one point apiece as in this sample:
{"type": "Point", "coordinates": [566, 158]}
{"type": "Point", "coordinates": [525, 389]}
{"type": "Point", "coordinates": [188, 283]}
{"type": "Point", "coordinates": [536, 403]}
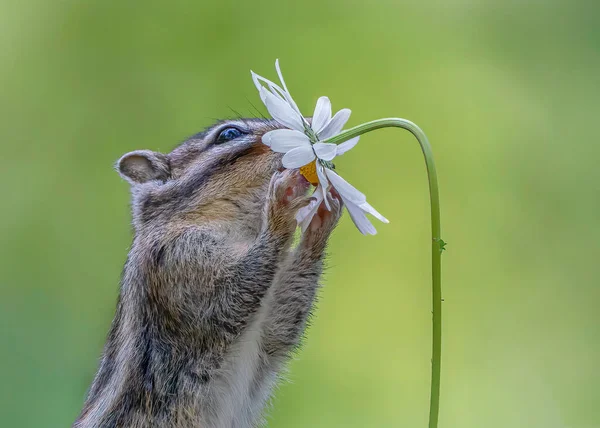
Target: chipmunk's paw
{"type": "Point", "coordinates": [322, 224]}
{"type": "Point", "coordinates": [286, 195]}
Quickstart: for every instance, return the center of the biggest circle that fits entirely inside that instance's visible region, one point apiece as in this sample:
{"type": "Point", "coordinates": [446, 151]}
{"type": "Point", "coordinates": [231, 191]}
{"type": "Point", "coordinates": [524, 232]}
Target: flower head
{"type": "Point", "coordinates": [303, 149]}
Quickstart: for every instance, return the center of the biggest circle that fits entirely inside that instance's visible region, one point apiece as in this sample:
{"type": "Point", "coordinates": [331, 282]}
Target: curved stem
{"type": "Point", "coordinates": [437, 245]}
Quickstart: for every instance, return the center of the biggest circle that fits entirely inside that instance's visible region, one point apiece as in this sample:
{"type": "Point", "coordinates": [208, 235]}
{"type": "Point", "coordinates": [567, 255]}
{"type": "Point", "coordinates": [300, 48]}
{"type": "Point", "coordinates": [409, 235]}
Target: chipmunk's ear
{"type": "Point", "coordinates": [141, 166]}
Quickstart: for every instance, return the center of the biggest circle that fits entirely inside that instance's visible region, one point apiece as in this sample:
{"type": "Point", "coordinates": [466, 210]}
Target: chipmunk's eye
{"type": "Point", "coordinates": [228, 134]}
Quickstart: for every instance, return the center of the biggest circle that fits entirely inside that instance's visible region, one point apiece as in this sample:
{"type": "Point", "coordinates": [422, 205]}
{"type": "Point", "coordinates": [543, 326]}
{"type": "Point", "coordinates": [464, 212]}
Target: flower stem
{"type": "Point", "coordinates": [437, 245]}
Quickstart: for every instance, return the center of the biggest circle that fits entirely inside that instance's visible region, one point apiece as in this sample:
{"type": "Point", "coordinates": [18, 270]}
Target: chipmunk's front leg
{"type": "Point", "coordinates": [291, 298]}
{"type": "Point", "coordinates": [288, 303]}
{"type": "Point", "coordinates": [247, 279]}
{"type": "Point", "coordinates": [217, 290]}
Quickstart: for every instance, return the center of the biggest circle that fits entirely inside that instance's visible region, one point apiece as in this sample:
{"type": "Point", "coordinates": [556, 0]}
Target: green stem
{"type": "Point", "coordinates": [437, 245]}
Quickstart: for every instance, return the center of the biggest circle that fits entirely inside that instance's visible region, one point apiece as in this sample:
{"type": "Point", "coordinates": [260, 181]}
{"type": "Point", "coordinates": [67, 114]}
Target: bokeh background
{"type": "Point", "coordinates": [508, 93]}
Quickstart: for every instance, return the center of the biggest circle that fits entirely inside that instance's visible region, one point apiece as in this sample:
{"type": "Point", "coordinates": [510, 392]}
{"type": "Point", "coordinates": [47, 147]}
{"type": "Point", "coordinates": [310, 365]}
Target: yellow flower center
{"type": "Point", "coordinates": [309, 171]}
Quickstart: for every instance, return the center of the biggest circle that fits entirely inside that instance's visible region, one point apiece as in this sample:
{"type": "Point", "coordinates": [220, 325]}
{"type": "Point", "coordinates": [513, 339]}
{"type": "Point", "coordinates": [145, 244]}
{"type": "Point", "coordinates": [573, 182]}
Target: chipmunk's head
{"type": "Point", "coordinates": [218, 176]}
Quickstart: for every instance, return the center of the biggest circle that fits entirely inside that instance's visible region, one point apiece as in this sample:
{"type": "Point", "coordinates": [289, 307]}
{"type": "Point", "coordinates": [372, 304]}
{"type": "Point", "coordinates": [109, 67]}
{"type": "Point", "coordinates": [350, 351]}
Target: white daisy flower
{"type": "Point", "coordinates": [303, 149]}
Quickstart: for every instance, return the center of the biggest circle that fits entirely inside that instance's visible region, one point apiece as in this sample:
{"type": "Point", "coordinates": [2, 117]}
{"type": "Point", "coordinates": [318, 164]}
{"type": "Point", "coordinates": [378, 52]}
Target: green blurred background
{"type": "Point", "coordinates": [508, 93]}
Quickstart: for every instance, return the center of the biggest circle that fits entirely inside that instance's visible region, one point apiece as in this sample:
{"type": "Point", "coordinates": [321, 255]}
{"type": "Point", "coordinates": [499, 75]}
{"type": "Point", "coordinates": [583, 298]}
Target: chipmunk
{"type": "Point", "coordinates": [213, 297]}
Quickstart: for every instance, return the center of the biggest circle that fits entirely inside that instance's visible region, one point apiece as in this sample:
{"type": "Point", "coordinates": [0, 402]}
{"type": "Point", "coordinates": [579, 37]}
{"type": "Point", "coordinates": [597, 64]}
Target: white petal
{"type": "Point", "coordinates": [305, 215]}
{"type": "Point", "coordinates": [312, 209]}
{"type": "Point", "coordinates": [272, 87]}
{"type": "Point", "coordinates": [325, 151]}
{"type": "Point", "coordinates": [298, 157]}
{"type": "Point", "coordinates": [345, 189]}
{"type": "Point", "coordinates": [322, 114]}
{"type": "Point", "coordinates": [368, 208]}
{"type": "Point", "coordinates": [286, 93]}
{"type": "Point", "coordinates": [359, 218]}
{"type": "Point", "coordinates": [304, 211]}
{"type": "Point", "coordinates": [282, 111]}
{"type": "Point", "coordinates": [280, 93]}
{"type": "Point", "coordinates": [256, 79]}
{"type": "Point", "coordinates": [346, 145]}
{"type": "Point", "coordinates": [280, 75]}
{"type": "Point", "coordinates": [336, 124]}
{"type": "Point", "coordinates": [284, 140]}
{"type": "Point", "coordinates": [276, 90]}
{"type": "Point", "coordinates": [323, 183]}
{"type": "Point", "coordinates": [262, 92]}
